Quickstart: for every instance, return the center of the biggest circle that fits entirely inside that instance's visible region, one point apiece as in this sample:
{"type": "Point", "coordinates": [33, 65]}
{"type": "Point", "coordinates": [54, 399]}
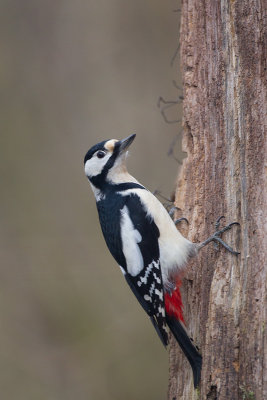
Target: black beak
{"type": "Point", "coordinates": [125, 143]}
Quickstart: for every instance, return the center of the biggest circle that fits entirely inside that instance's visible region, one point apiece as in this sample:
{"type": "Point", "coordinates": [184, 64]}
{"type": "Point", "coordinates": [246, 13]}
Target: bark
{"type": "Point", "coordinates": [223, 53]}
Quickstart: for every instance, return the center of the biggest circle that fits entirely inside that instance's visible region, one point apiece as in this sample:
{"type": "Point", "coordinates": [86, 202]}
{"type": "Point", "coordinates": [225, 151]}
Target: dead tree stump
{"type": "Point", "coordinates": [223, 57]}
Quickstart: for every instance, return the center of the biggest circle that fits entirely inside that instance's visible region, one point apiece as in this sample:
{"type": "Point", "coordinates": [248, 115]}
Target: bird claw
{"type": "Point", "coordinates": [170, 208]}
{"type": "Point", "coordinates": [217, 226]}
{"type": "Point", "coordinates": [216, 237]}
{"type": "Point", "coordinates": [217, 223]}
{"type": "Point", "coordinates": [225, 245]}
{"type": "Point", "coordinates": [177, 221]}
{"type": "Point", "coordinates": [172, 211]}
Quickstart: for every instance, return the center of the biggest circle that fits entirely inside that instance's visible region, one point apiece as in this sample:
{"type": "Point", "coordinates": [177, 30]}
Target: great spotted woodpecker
{"type": "Point", "coordinates": [144, 241]}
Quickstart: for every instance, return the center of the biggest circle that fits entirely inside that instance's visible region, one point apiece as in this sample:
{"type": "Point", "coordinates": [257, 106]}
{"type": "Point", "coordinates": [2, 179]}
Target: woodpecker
{"type": "Point", "coordinates": [145, 242]}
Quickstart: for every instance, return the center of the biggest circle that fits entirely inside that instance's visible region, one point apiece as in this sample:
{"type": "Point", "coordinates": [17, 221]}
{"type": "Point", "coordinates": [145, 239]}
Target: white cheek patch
{"type": "Point", "coordinates": [95, 165]}
{"type": "Point", "coordinates": [110, 145]}
{"type": "Point", "coordinates": [130, 238]}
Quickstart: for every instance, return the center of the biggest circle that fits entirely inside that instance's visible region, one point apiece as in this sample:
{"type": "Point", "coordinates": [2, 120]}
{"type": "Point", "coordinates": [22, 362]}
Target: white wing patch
{"type": "Point", "coordinates": [130, 238]}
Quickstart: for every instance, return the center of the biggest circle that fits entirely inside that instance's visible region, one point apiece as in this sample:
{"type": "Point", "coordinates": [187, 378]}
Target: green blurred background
{"type": "Point", "coordinates": [74, 73]}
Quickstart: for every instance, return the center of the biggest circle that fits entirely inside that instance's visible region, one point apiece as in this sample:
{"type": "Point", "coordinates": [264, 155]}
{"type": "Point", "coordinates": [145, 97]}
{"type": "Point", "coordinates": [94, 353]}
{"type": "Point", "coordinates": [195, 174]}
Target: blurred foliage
{"type": "Point", "coordinates": [73, 74]}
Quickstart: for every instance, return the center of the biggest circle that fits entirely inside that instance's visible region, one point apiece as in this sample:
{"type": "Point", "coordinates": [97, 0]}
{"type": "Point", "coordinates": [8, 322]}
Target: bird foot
{"type": "Point", "coordinates": [216, 237]}
{"type": "Point", "coordinates": [170, 208]}
{"type": "Point", "coordinates": [176, 221]}
{"type": "Point", "coordinates": [172, 211]}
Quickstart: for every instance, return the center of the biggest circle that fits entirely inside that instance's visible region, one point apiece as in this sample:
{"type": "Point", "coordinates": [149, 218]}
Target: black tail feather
{"type": "Point", "coordinates": [190, 351]}
{"type": "Point", "coordinates": [160, 331]}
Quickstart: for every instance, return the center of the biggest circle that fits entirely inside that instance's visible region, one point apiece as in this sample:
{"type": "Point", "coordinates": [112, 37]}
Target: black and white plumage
{"type": "Point", "coordinates": [144, 241]}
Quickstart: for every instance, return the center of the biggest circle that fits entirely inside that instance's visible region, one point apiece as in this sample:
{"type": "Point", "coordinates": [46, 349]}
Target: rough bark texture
{"type": "Point", "coordinates": [223, 53]}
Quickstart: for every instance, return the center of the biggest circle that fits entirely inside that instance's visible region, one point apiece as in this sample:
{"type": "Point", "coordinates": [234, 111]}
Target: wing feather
{"type": "Point", "coordinates": [148, 282]}
{"type": "Point", "coordinates": [132, 238]}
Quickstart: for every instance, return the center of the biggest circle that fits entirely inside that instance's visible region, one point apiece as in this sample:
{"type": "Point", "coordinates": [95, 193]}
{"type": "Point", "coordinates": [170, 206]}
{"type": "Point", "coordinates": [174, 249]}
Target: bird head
{"type": "Point", "coordinates": [105, 162]}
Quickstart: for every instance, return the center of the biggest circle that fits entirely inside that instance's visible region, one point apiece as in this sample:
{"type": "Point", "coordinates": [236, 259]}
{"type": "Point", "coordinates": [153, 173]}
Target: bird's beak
{"type": "Point", "coordinates": [125, 143]}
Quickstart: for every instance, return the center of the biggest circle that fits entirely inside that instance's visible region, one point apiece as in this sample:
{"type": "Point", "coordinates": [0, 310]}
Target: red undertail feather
{"type": "Point", "coordinates": [173, 303]}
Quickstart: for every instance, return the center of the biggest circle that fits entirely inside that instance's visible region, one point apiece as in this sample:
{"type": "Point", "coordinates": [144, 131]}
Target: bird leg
{"type": "Point", "coordinates": [217, 239]}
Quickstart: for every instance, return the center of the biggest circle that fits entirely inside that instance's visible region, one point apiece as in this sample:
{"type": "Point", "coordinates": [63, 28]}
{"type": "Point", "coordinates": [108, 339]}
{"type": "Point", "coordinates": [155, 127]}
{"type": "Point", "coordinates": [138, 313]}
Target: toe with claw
{"type": "Point", "coordinates": [216, 237]}
{"type": "Point", "coordinates": [177, 221]}
{"type": "Point", "coordinates": [172, 211]}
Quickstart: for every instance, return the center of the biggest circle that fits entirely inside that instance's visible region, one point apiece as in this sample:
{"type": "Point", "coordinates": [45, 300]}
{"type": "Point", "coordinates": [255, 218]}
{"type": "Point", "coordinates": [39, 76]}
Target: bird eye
{"type": "Point", "coordinates": [100, 154]}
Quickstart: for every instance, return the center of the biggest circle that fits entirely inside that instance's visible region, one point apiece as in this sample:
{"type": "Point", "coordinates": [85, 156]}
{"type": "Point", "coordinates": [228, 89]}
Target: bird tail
{"type": "Point", "coordinates": [175, 320]}
{"type": "Point", "coordinates": [190, 351]}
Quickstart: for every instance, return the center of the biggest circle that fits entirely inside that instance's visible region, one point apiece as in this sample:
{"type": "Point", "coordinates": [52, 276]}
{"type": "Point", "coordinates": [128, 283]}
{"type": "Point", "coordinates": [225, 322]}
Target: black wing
{"type": "Point", "coordinates": [109, 210]}
{"type": "Point", "coordinates": [147, 285]}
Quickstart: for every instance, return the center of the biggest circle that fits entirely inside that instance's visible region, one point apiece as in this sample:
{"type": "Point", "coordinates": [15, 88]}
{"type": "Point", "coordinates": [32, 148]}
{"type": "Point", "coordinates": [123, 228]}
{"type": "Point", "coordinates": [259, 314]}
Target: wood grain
{"type": "Point", "coordinates": [223, 53]}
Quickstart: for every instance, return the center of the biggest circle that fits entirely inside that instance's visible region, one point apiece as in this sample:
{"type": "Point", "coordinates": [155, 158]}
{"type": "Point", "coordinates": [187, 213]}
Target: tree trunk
{"type": "Point", "coordinates": [223, 53]}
